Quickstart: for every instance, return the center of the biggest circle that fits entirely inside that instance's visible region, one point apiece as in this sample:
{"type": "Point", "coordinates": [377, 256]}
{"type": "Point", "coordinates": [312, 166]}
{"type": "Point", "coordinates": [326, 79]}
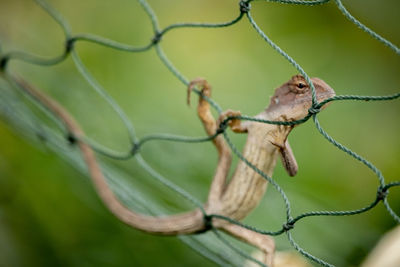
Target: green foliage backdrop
{"type": "Point", "coordinates": [49, 213]}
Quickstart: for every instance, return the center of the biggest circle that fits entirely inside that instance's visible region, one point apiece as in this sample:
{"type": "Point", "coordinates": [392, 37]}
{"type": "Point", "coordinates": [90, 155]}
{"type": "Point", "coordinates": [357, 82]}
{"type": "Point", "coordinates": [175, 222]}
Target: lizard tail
{"type": "Point", "coordinates": [185, 223]}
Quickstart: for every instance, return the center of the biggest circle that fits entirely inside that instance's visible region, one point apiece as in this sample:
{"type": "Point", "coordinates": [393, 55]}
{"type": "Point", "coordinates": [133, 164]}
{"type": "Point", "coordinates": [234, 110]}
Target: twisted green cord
{"type": "Point", "coordinates": [103, 93]}
{"type": "Point", "coordinates": [305, 253]}
{"type": "Point", "coordinates": [56, 16]}
{"type": "Point", "coordinates": [365, 28]}
{"type": "Point", "coordinates": [296, 2]}
{"type": "Point", "coordinates": [286, 56]}
{"type": "Point", "coordinates": [237, 250]}
{"type": "Point", "coordinates": [350, 152]}
{"type": "Point", "coordinates": [137, 143]}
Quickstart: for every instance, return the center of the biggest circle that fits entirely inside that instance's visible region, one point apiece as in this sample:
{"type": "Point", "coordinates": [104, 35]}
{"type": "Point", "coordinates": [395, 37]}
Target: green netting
{"type": "Point", "coordinates": [209, 245]}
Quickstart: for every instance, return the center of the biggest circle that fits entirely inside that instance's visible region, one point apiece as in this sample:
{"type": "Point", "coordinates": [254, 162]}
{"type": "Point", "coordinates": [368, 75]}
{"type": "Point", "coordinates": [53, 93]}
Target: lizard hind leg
{"type": "Point", "coordinates": [264, 243]}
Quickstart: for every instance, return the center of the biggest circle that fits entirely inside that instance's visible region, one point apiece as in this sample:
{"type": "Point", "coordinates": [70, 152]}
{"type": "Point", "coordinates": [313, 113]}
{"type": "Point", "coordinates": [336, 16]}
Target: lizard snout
{"type": "Point", "coordinates": [322, 89]}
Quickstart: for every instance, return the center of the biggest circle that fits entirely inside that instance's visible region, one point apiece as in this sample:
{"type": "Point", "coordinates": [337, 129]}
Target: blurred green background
{"type": "Point", "coordinates": [49, 212]}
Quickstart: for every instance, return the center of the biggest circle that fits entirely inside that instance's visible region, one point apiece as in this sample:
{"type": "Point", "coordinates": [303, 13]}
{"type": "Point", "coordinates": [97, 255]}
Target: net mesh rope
{"type": "Point", "coordinates": [19, 115]}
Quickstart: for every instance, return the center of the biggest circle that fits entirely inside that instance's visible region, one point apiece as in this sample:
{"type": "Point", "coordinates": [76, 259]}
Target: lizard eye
{"type": "Point", "coordinates": [301, 85]}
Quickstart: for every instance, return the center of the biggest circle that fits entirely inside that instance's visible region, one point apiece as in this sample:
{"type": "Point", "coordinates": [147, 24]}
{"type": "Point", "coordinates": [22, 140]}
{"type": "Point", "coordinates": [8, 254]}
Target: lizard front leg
{"type": "Point", "coordinates": [224, 153]}
{"type": "Point", "coordinates": [280, 140]}
{"type": "Point", "coordinates": [236, 125]}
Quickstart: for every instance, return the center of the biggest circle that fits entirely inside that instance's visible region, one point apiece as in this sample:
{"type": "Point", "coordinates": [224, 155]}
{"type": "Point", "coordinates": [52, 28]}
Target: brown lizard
{"type": "Point", "coordinates": [239, 196]}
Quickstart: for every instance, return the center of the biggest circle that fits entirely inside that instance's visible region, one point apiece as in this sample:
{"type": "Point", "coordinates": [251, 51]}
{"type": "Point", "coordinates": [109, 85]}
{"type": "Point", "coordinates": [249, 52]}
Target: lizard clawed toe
{"type": "Point", "coordinates": [203, 84]}
{"type": "Point", "coordinates": [235, 124]}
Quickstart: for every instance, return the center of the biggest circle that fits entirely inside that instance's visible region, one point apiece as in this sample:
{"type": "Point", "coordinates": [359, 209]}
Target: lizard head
{"type": "Point", "coordinates": [293, 99]}
{"type": "Point", "coordinates": [291, 102]}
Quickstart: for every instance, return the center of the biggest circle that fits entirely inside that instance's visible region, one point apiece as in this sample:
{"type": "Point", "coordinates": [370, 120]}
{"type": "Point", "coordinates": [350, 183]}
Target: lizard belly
{"type": "Point", "coordinates": [247, 187]}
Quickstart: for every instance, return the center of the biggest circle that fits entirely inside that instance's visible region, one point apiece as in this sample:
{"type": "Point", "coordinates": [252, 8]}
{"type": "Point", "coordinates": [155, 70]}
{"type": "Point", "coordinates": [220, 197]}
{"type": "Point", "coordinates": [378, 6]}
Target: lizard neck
{"type": "Point", "coordinates": [247, 187]}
